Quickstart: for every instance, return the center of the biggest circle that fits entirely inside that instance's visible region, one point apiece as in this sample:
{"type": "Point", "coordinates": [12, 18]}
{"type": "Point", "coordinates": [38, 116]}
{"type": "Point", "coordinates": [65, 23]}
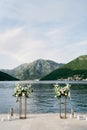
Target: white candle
{"type": "Point", "coordinates": [78, 117]}
{"type": "Point", "coordinates": [2, 119]}
{"type": "Point", "coordinates": [70, 115]}
{"type": "Point", "coordinates": [9, 117]}
{"type": "Point", "coordinates": [86, 118]}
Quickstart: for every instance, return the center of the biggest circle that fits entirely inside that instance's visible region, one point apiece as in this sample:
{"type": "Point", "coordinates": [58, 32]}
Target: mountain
{"type": "Point", "coordinates": [34, 70]}
{"type": "Point", "coordinates": [74, 70]}
{"type": "Point", "coordinates": [6, 77]}
{"type": "Point", "coordinates": [79, 63]}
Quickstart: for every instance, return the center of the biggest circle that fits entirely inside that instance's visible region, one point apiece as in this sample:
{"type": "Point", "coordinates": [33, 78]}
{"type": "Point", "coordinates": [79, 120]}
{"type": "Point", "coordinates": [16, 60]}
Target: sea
{"type": "Point", "coordinates": [42, 99]}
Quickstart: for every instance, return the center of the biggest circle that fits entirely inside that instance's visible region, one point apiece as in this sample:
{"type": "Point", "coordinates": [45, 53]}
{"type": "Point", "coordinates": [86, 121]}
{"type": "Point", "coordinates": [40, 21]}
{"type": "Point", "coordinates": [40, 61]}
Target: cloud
{"type": "Point", "coordinates": [49, 29]}
{"type": "Point", "coordinates": [30, 12]}
{"type": "Point", "coordinates": [20, 45]}
{"type": "Point", "coordinates": [8, 39]}
{"type": "Point", "coordinates": [24, 47]}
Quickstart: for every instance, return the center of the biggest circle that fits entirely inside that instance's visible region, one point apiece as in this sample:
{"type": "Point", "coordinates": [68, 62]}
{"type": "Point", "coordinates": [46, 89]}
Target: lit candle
{"type": "Point", "coordinates": [86, 118]}
{"type": "Point", "coordinates": [78, 117]}
{"type": "Point", "coordinates": [2, 119]}
{"type": "Point", "coordinates": [8, 117]}
{"type": "Point", "coordinates": [70, 115]}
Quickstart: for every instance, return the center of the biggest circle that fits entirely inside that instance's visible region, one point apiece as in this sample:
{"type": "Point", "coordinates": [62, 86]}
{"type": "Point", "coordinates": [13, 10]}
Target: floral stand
{"type": "Point", "coordinates": [22, 93]}
{"type": "Point", "coordinates": [62, 93]}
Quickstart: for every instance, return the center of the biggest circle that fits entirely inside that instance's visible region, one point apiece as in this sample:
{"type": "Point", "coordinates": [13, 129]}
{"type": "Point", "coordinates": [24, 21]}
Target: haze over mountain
{"type": "Point", "coordinates": [74, 70]}
{"type": "Point", "coordinates": [34, 70]}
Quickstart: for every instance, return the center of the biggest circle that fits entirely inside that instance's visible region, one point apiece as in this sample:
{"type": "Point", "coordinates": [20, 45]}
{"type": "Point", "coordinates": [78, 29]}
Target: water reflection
{"type": "Point", "coordinates": [42, 99]}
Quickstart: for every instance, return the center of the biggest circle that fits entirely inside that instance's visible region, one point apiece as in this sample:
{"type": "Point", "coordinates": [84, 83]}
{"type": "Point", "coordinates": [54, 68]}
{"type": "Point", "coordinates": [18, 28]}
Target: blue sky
{"type": "Point", "coordinates": [47, 29]}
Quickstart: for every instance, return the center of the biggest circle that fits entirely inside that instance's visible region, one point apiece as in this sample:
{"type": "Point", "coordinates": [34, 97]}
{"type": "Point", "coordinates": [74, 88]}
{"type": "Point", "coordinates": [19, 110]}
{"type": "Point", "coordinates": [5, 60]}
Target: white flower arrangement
{"type": "Point", "coordinates": [62, 91]}
{"type": "Point", "coordinates": [22, 91]}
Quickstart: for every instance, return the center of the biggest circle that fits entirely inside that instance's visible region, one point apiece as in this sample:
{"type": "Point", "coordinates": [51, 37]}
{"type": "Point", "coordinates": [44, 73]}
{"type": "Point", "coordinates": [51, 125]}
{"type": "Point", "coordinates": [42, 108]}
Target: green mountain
{"type": "Point", "coordinates": [34, 70]}
{"type": "Point", "coordinates": [79, 63]}
{"type": "Point", "coordinates": [6, 77]}
{"type": "Point", "coordinates": [74, 70]}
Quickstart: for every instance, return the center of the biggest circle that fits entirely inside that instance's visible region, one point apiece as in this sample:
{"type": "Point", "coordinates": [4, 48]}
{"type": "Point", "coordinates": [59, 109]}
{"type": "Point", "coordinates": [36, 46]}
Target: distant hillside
{"type": "Point", "coordinates": [34, 70]}
{"type": "Point", "coordinates": [15, 71]}
{"type": "Point", "coordinates": [76, 69]}
{"type": "Point", "coordinates": [79, 63]}
{"type": "Point", "coordinates": [6, 77]}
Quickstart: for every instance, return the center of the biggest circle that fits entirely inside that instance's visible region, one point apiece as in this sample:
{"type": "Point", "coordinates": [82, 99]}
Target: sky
{"type": "Point", "coordinates": [42, 29]}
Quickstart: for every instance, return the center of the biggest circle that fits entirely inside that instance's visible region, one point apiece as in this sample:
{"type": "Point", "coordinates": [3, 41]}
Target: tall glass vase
{"type": "Point", "coordinates": [62, 102]}
{"type": "Point", "coordinates": [22, 107]}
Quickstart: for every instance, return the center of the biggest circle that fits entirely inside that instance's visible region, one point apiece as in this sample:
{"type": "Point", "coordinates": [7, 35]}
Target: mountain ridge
{"type": "Point", "coordinates": [74, 70]}
{"type": "Point", "coordinates": [33, 70]}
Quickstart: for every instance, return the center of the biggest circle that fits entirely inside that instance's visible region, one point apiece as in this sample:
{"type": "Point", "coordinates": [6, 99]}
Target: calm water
{"type": "Point", "coordinates": [42, 99]}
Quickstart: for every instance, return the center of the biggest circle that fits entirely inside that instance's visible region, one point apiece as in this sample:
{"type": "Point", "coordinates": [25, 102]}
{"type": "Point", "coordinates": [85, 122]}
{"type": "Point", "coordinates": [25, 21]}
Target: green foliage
{"type": "Point", "coordinates": [6, 77]}
{"type": "Point", "coordinates": [62, 91]}
{"type": "Point", "coordinates": [77, 67]}
{"type": "Point", "coordinates": [49, 70]}
{"type": "Point", "coordinates": [79, 63]}
{"type": "Point", "coordinates": [22, 91]}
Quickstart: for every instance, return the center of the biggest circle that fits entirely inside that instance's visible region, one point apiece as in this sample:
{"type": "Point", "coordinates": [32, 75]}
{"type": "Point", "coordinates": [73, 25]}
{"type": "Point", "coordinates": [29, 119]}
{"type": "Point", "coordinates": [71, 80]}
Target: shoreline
{"type": "Point", "coordinates": [47, 121]}
{"type": "Point", "coordinates": [48, 81]}
{"type": "Point", "coordinates": [7, 116]}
